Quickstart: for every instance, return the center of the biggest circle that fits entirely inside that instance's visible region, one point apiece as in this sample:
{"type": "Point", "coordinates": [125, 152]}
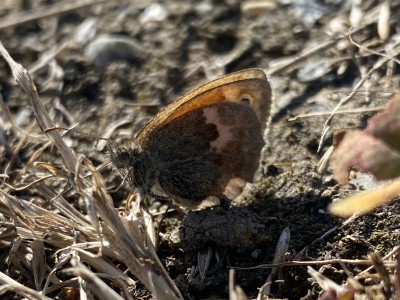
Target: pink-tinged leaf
{"type": "Point", "coordinates": [375, 150]}
{"type": "Point", "coordinates": [386, 124]}
{"type": "Point", "coordinates": [365, 152]}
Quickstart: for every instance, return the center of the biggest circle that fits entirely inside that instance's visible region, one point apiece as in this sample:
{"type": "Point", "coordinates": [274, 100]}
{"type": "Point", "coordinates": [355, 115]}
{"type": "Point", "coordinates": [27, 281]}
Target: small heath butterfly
{"type": "Point", "coordinates": [205, 144]}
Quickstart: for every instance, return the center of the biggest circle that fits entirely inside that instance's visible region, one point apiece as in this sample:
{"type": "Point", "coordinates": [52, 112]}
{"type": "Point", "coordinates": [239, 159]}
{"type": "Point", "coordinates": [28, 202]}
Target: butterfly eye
{"type": "Point", "coordinates": [124, 156]}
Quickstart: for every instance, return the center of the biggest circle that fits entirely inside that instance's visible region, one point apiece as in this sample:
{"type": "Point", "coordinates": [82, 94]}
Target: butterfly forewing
{"type": "Point", "coordinates": [250, 84]}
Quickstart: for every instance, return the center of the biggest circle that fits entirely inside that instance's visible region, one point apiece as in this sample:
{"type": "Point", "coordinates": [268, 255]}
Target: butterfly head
{"type": "Point", "coordinates": [133, 163]}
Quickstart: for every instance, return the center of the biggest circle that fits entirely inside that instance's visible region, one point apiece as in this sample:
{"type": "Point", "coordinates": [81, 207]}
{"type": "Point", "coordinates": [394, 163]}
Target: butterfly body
{"type": "Point", "coordinates": [202, 144]}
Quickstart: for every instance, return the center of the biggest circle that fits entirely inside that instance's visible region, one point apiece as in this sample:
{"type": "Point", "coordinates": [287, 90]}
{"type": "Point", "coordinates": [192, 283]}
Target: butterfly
{"type": "Point", "coordinates": [205, 144]}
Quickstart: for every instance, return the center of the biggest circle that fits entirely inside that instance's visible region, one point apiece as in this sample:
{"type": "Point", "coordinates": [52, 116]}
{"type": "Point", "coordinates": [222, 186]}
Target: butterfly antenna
{"type": "Point", "coordinates": [71, 129]}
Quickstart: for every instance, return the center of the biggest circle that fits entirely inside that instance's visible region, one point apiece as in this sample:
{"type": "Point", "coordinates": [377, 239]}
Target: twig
{"type": "Point", "coordinates": [395, 251]}
{"type": "Point", "coordinates": [341, 112]}
{"type": "Point", "coordinates": [315, 262]}
{"type": "Point", "coordinates": [46, 11]}
{"type": "Point", "coordinates": [280, 67]}
{"type": "Point", "coordinates": [361, 47]}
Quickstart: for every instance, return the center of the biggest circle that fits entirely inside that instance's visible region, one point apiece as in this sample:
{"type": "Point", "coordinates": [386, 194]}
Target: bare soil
{"type": "Point", "coordinates": [193, 43]}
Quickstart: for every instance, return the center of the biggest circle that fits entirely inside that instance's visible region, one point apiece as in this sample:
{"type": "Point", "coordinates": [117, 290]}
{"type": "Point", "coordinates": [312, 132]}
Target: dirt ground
{"type": "Point", "coordinates": [148, 56]}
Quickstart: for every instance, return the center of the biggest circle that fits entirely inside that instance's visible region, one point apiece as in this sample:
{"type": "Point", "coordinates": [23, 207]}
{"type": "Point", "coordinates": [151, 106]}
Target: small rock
{"type": "Point", "coordinates": [105, 49]}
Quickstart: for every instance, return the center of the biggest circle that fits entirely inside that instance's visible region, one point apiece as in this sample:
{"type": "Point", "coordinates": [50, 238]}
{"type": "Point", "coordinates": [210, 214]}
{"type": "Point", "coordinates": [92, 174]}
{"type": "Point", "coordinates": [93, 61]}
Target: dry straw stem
{"type": "Point", "coordinates": [92, 281]}
{"type": "Point", "coordinates": [364, 202]}
{"type": "Point", "coordinates": [9, 285]}
{"type": "Point", "coordinates": [388, 257]}
{"type": "Point", "coordinates": [362, 262]}
{"type": "Point", "coordinates": [72, 235]}
{"type": "Point", "coordinates": [44, 121]}
{"type": "Point", "coordinates": [278, 66]}
{"type": "Point", "coordinates": [385, 269]}
{"type": "Point", "coordinates": [46, 11]}
{"type": "Point", "coordinates": [235, 291]}
{"type": "Point", "coordinates": [339, 112]}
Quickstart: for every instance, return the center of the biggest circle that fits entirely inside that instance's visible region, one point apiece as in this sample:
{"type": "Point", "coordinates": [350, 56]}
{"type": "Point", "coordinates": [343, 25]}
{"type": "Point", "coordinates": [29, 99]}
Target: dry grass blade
{"type": "Point", "coordinates": [281, 248]}
{"type": "Point", "coordinates": [43, 12]}
{"type": "Point", "coordinates": [384, 274]}
{"type": "Point", "coordinates": [397, 280]}
{"type": "Point", "coordinates": [128, 238]}
{"type": "Point", "coordinates": [96, 239]}
{"type": "Point", "coordinates": [235, 291]}
{"type": "Point", "coordinates": [34, 222]}
{"type": "Point", "coordinates": [92, 282]}
{"type": "Point", "coordinates": [6, 111]}
{"type": "Point", "coordinates": [339, 112]}
{"type": "Point", "coordinates": [25, 81]}
{"type": "Point", "coordinates": [383, 21]}
{"type": "Point", "coordinates": [121, 239]}
{"type": "Point", "coordinates": [366, 201]}
{"type": "Point", "coordinates": [361, 262]}
{"type": "Point", "coordinates": [101, 265]}
{"type": "Point", "coordinates": [38, 263]}
{"type": "Point", "coordinates": [9, 284]}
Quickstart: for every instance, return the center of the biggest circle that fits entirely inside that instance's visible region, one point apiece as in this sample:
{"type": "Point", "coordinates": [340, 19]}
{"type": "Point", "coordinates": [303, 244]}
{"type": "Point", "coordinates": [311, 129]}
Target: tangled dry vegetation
{"type": "Point", "coordinates": [67, 231]}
